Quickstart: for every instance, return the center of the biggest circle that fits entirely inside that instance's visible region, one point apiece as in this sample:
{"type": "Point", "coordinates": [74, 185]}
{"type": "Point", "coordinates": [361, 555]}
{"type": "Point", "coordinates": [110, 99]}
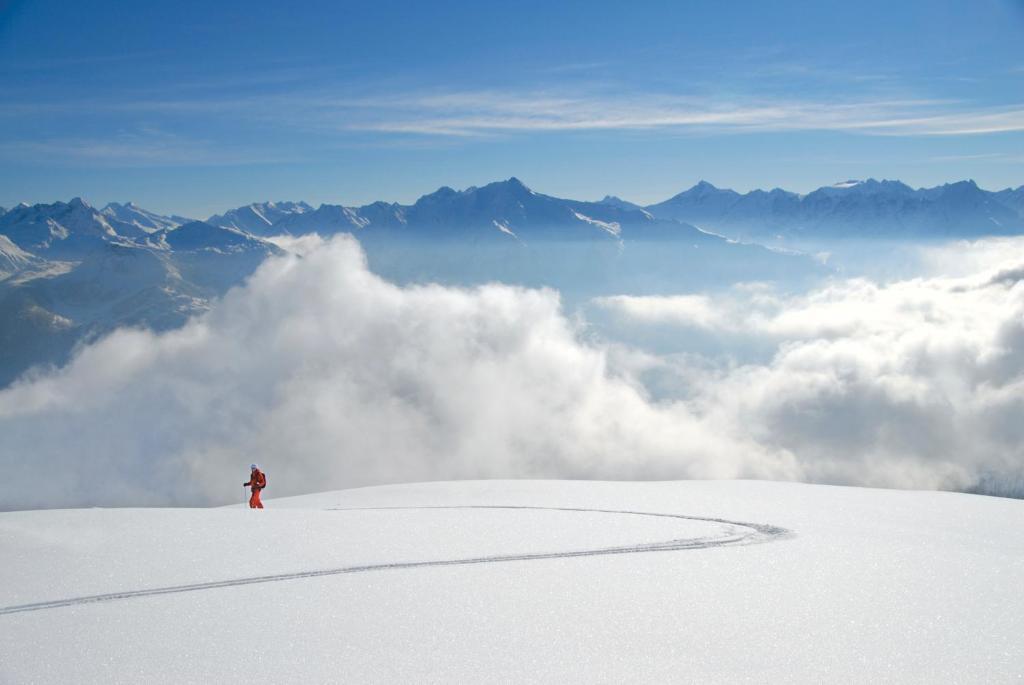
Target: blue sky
{"type": "Point", "coordinates": [194, 109]}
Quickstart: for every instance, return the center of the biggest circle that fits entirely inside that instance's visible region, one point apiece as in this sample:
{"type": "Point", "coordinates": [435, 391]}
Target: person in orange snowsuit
{"type": "Point", "coordinates": [257, 481]}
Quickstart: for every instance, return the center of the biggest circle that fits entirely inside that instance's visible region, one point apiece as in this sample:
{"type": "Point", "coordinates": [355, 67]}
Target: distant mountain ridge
{"type": "Point", "coordinates": [500, 211]}
{"type": "Point", "coordinates": [869, 209]}
{"type": "Point", "coordinates": [849, 210]}
{"type": "Point", "coordinates": [506, 209]}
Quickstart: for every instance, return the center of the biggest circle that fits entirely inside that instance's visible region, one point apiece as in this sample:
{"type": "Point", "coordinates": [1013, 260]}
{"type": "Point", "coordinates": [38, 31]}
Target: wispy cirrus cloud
{"type": "Point", "coordinates": [339, 115]}
{"type": "Point", "coordinates": [474, 113]}
{"type": "Point", "coordinates": [483, 112]}
{"type": "Point", "coordinates": [488, 112]}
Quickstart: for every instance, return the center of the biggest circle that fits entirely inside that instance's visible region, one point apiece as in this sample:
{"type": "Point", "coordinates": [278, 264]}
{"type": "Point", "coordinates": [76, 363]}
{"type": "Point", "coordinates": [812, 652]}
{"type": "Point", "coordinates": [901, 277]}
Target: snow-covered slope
{"type": "Point", "coordinates": [94, 279]}
{"type": "Point", "coordinates": [130, 213]}
{"type": "Point", "coordinates": [521, 581]}
{"type": "Point", "coordinates": [213, 258]}
{"type": "Point", "coordinates": [199, 235]}
{"type": "Point", "coordinates": [13, 259]}
{"type": "Point", "coordinates": [257, 218]}
{"type": "Point", "coordinates": [325, 220]}
{"type": "Point", "coordinates": [114, 286]}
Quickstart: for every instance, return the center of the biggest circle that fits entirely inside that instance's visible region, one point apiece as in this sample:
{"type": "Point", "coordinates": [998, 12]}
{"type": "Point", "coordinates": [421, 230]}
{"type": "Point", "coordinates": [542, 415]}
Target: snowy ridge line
{"type": "Point", "coordinates": [755, 533]}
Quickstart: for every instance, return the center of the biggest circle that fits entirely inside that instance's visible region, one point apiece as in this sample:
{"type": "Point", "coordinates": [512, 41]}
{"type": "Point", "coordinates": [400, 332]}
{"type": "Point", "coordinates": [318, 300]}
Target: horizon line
{"type": "Point", "coordinates": [702, 182]}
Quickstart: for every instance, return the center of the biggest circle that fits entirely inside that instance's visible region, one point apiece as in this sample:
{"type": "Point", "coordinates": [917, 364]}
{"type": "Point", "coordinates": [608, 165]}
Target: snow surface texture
{"type": "Point", "coordinates": [866, 586]}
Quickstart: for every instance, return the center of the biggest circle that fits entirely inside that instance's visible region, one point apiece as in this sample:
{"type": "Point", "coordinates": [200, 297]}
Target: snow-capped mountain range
{"type": "Point", "coordinates": [69, 271]}
{"type": "Point", "coordinates": [849, 210]}
{"type": "Point", "coordinates": [508, 210]}
{"type": "Point", "coordinates": [502, 211]}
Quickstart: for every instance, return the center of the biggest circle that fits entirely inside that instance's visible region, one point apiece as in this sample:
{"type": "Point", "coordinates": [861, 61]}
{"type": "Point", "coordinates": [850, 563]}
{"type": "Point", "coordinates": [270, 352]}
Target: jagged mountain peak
{"type": "Point", "coordinates": [61, 227]}
{"type": "Point", "coordinates": [967, 186]}
{"type": "Point", "coordinates": [513, 187]}
{"type": "Point", "coordinates": [704, 189]}
{"type": "Point", "coordinates": [441, 194]}
{"type": "Point", "coordinates": [381, 204]}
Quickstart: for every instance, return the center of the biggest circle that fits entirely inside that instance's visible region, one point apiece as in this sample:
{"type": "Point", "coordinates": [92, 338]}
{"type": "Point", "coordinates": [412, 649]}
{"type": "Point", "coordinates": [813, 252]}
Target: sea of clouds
{"type": "Point", "coordinates": [331, 377]}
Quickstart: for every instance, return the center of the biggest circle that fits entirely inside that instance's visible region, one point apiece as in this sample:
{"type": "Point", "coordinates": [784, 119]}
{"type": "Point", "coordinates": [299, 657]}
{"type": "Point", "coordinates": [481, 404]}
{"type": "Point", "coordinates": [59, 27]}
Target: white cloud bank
{"type": "Point", "coordinates": [918, 383]}
{"type": "Point", "coordinates": [332, 377]}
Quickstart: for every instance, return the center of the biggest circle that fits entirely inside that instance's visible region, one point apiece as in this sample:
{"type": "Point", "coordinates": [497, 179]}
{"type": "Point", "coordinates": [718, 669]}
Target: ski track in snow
{"type": "Point", "coordinates": [752, 533]}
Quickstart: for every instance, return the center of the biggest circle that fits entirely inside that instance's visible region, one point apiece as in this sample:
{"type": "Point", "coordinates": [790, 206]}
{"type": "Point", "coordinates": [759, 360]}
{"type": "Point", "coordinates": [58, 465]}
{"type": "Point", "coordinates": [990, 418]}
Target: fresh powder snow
{"type": "Point", "coordinates": [499, 581]}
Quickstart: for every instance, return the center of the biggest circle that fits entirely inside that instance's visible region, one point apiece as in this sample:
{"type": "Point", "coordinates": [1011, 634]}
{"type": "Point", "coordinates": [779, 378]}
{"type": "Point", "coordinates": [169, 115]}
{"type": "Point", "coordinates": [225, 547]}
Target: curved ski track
{"type": "Point", "coordinates": [740, 533]}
